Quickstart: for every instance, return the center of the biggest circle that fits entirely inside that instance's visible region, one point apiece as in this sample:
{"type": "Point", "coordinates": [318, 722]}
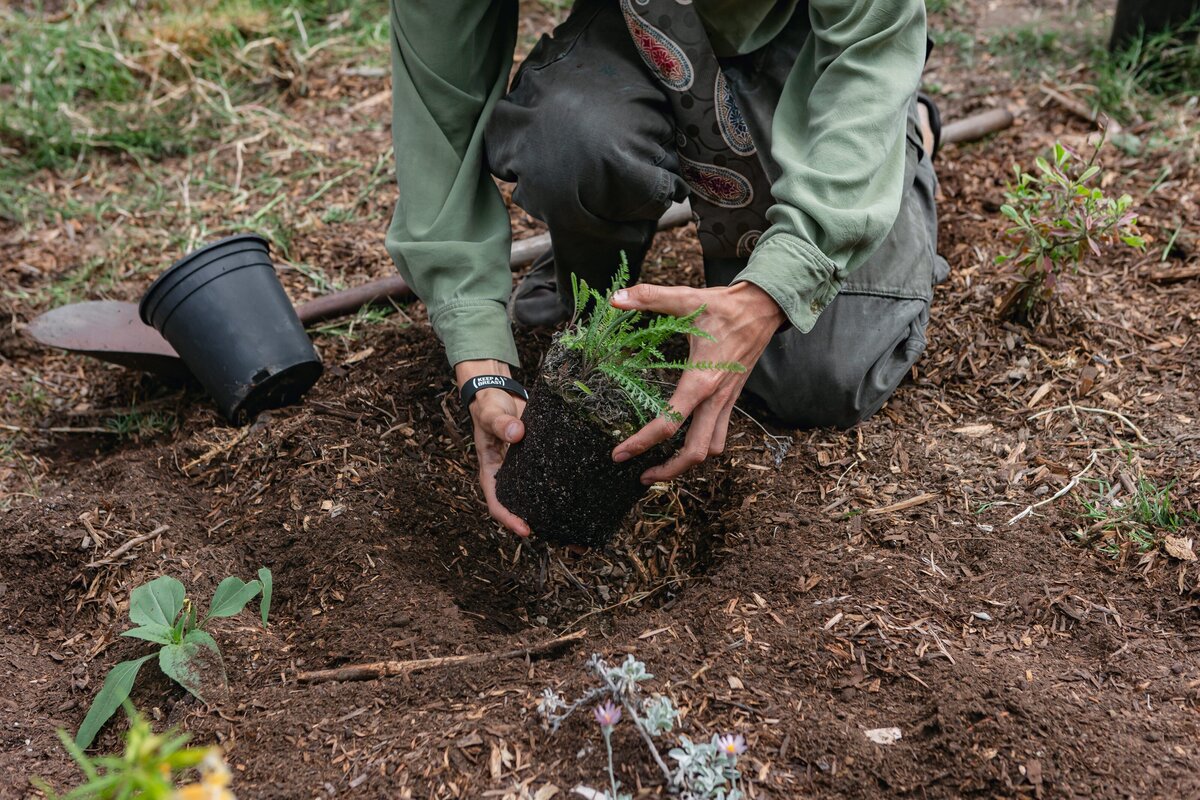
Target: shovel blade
{"type": "Point", "coordinates": [108, 330]}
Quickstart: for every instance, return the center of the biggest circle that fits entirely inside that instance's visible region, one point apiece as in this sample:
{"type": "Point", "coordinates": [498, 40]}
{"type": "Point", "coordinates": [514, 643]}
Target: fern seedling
{"type": "Point", "coordinates": [165, 616]}
{"type": "Point", "coordinates": [613, 343]}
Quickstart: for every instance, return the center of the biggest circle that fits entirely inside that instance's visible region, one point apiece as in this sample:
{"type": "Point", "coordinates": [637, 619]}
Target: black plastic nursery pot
{"type": "Point", "coordinates": [561, 479]}
{"type": "Point", "coordinates": [224, 311]}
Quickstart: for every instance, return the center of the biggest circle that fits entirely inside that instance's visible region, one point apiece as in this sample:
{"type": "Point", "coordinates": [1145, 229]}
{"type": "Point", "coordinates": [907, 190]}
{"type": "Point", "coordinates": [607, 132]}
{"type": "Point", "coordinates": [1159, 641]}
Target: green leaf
{"type": "Point", "coordinates": [1010, 212]}
{"type": "Point", "coordinates": [231, 596]}
{"type": "Point", "coordinates": [116, 688]}
{"type": "Point", "coordinates": [1042, 164]}
{"type": "Point", "coordinates": [157, 602]}
{"type": "Point", "coordinates": [180, 663]}
{"type": "Point", "coordinates": [153, 632]}
{"type": "Point", "coordinates": [204, 640]}
{"type": "Point", "coordinates": [264, 608]}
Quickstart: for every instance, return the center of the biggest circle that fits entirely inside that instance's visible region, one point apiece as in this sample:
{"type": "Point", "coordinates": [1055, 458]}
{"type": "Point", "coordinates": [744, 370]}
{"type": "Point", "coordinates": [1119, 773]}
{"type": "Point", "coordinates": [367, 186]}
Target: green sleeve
{"type": "Point", "coordinates": [838, 136]}
{"type": "Point", "coordinates": [450, 234]}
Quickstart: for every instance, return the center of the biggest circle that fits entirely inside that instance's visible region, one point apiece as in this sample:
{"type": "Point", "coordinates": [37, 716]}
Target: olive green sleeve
{"type": "Point", "coordinates": [838, 136]}
{"type": "Point", "coordinates": [450, 234]}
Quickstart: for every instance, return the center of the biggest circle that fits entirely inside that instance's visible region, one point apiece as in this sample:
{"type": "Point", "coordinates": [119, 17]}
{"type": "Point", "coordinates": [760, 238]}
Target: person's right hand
{"type": "Point", "coordinates": [496, 415]}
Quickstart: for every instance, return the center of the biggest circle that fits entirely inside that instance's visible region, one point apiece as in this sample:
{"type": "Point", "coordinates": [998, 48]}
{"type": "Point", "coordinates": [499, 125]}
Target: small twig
{"type": "Point", "coordinates": [57, 429]}
{"type": "Point", "coordinates": [911, 502]}
{"type": "Point", "coordinates": [129, 545]}
{"type": "Point", "coordinates": [386, 669]}
{"type": "Point", "coordinates": [777, 446]}
{"type": "Point", "coordinates": [1173, 275]}
{"type": "Point", "coordinates": [217, 450]}
{"type": "Point", "coordinates": [1081, 110]}
{"type": "Point", "coordinates": [1071, 484]}
{"type": "Point", "coordinates": [1136, 430]}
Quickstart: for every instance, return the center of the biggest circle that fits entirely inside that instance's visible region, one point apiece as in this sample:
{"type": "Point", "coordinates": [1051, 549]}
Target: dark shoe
{"type": "Point", "coordinates": [535, 302]}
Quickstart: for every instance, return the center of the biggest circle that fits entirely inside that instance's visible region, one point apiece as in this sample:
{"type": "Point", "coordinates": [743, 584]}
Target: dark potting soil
{"type": "Point", "coordinates": [561, 478]}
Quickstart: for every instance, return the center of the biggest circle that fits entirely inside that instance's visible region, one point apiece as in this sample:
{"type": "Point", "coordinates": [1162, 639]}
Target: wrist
{"type": "Point", "coordinates": [757, 303]}
{"type": "Point", "coordinates": [465, 370]}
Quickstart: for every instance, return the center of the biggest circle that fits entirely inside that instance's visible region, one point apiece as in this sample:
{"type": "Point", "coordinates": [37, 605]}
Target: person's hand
{"type": "Point", "coordinates": [742, 319]}
{"type": "Point", "coordinates": [496, 415]}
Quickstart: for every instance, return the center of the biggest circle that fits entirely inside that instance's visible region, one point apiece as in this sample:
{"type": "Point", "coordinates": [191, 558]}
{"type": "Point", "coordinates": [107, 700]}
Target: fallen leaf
{"type": "Point", "coordinates": [360, 355]}
{"type": "Point", "coordinates": [1179, 547]}
{"type": "Point", "coordinates": [1087, 380]}
{"type": "Point", "coordinates": [883, 735]}
{"type": "Point", "coordinates": [974, 430]}
{"type": "Point", "coordinates": [496, 763]}
{"type": "Point", "coordinates": [1041, 392]}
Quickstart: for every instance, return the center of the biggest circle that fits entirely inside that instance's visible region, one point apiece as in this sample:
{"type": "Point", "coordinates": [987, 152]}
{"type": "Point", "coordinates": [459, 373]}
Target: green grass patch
{"type": "Point", "coordinates": [1139, 521]}
{"type": "Point", "coordinates": [141, 424]}
{"type": "Point", "coordinates": [1164, 67]}
{"type": "Point", "coordinates": [1141, 82]}
{"type": "Point", "coordinates": [159, 78]}
{"type": "Point", "coordinates": [351, 329]}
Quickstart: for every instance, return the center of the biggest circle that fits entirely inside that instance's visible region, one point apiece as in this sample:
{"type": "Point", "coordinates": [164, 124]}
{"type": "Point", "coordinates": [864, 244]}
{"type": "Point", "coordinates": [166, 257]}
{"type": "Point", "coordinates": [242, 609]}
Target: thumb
{"type": "Point", "coordinates": [678, 301]}
{"type": "Point", "coordinates": [497, 413]}
{"type": "Point", "coordinates": [508, 428]}
{"type": "Point", "coordinates": [501, 424]}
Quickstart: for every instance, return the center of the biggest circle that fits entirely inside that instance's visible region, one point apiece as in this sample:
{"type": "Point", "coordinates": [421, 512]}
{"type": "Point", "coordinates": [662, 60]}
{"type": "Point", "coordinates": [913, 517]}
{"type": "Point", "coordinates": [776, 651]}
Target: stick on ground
{"type": "Point", "coordinates": [387, 669]}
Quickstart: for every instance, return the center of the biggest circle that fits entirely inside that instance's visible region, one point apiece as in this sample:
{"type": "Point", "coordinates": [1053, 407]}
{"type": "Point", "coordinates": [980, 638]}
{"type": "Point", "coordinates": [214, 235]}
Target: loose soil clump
{"type": "Point", "coordinates": [561, 478]}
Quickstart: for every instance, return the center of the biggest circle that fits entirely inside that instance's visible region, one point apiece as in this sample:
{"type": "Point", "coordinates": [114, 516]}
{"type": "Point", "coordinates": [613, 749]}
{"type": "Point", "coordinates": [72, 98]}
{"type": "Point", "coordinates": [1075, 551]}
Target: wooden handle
{"type": "Point", "coordinates": [977, 126]}
{"type": "Point", "coordinates": [350, 300]}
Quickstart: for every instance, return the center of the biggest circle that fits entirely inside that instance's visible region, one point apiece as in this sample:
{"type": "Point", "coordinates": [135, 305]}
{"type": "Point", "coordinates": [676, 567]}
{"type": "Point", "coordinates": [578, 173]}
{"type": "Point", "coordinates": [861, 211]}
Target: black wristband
{"type": "Point", "coordinates": [474, 385]}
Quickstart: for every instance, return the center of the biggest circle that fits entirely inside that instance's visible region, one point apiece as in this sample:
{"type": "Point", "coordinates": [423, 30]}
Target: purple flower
{"type": "Point", "coordinates": [607, 715]}
{"type": "Point", "coordinates": [733, 744]}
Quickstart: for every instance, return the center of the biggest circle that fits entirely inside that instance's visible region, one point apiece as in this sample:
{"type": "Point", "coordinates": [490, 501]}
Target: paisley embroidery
{"type": "Point", "coordinates": [747, 243]}
{"type": "Point", "coordinates": [665, 58]}
{"type": "Point", "coordinates": [718, 185]}
{"type": "Point", "coordinates": [734, 129]}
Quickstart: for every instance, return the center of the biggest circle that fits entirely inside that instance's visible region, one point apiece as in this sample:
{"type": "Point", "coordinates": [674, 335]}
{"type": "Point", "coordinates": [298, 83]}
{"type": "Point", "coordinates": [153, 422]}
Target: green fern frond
{"type": "Point", "coordinates": [645, 399]}
{"type": "Point", "coordinates": [614, 342]}
{"type": "Point", "coordinates": [723, 366]}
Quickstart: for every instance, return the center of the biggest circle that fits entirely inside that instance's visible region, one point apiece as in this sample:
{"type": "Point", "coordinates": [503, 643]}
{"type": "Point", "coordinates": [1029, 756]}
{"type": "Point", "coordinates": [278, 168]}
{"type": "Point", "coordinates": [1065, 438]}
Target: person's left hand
{"type": "Point", "coordinates": [742, 319]}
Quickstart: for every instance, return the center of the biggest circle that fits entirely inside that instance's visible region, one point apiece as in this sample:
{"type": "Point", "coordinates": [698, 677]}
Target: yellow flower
{"type": "Point", "coordinates": [214, 780]}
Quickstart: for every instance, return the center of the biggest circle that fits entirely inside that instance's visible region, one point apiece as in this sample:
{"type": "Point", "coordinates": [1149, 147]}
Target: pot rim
{"type": "Point", "coordinates": [143, 306]}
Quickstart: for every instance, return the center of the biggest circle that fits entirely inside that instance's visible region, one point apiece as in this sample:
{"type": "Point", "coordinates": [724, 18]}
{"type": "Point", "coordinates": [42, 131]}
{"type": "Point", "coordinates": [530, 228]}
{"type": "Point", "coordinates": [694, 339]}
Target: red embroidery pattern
{"type": "Point", "coordinates": [665, 58]}
{"type": "Point", "coordinates": [718, 185]}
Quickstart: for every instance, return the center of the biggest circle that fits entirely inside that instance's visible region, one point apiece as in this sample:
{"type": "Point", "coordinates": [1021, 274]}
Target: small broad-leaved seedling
{"type": "Point", "coordinates": [151, 768]}
{"type": "Point", "coordinates": [1059, 218]}
{"type": "Point", "coordinates": [703, 770]}
{"type": "Point", "coordinates": [612, 342]}
{"type": "Point", "coordinates": [188, 654]}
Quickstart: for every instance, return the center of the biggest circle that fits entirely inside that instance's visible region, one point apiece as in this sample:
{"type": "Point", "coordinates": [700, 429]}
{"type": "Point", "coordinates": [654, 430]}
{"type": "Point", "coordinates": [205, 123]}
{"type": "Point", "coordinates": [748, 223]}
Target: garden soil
{"type": "Point", "coordinates": [800, 591]}
{"type": "Point", "coordinates": [561, 479]}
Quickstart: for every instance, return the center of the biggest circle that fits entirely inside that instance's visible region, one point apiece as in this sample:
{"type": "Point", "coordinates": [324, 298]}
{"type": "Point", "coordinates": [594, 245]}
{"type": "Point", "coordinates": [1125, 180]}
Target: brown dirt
{"type": "Point", "coordinates": [561, 479]}
{"type": "Point", "coordinates": [799, 605]}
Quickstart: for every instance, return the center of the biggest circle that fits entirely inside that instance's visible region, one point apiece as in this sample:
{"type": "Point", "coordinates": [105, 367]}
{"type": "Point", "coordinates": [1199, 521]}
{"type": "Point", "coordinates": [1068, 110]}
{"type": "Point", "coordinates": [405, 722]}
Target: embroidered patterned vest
{"type": "Point", "coordinates": [718, 160]}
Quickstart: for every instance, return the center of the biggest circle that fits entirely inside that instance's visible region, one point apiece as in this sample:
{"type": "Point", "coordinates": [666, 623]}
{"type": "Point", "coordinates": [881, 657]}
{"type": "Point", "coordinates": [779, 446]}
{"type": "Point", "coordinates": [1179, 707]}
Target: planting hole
{"type": "Point", "coordinates": [675, 536]}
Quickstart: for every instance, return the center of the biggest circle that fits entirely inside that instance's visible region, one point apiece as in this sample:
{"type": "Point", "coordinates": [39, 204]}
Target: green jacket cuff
{"type": "Point", "coordinates": [474, 329]}
{"type": "Point", "coordinates": [797, 276]}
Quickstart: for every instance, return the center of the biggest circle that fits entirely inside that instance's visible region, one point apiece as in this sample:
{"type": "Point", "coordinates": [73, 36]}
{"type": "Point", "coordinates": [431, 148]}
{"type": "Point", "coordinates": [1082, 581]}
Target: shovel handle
{"type": "Point", "coordinates": [345, 302]}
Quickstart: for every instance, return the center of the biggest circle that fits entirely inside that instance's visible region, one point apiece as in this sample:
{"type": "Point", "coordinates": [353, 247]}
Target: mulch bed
{"type": "Point", "coordinates": [868, 578]}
